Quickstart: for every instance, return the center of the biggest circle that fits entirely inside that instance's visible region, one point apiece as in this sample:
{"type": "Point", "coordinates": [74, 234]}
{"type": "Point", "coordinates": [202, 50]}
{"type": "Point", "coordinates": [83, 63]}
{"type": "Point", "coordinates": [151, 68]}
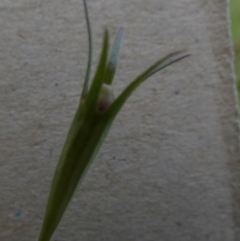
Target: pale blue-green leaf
{"type": "Point", "coordinates": [112, 63]}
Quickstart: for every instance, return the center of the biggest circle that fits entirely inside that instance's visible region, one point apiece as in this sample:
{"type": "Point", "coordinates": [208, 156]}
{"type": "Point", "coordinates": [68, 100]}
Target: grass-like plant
{"type": "Point", "coordinates": [94, 116]}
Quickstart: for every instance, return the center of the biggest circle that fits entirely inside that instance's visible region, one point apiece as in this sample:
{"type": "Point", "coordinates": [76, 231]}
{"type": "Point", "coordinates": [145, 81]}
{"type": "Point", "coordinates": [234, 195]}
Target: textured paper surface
{"type": "Point", "coordinates": [169, 169]}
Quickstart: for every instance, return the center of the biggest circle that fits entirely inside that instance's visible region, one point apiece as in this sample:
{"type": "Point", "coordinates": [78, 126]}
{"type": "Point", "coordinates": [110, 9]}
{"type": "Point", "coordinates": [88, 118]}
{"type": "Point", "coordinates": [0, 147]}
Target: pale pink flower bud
{"type": "Point", "coordinates": [106, 98]}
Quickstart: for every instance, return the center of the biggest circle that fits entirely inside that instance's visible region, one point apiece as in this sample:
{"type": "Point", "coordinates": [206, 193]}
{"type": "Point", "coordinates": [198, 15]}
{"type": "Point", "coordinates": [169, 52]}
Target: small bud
{"type": "Point", "coordinates": [105, 98]}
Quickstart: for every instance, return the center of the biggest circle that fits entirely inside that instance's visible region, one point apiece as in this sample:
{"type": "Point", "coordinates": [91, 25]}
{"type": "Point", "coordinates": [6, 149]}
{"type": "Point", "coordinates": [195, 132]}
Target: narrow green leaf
{"type": "Point", "coordinates": [74, 163]}
{"type": "Point", "coordinates": [99, 76]}
{"type": "Point", "coordinates": [54, 210]}
{"type": "Point", "coordinates": [159, 65]}
{"type": "Point", "coordinates": [88, 71]}
{"type": "Point", "coordinates": [169, 60]}
{"type": "Point", "coordinates": [112, 63]}
{"type": "Point", "coordinates": [82, 143]}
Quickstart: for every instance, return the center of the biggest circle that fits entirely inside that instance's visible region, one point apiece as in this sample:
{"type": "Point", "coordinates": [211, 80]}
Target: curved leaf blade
{"type": "Point", "coordinates": [159, 65]}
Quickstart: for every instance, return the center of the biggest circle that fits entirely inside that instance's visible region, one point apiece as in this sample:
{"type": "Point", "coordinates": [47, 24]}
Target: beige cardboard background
{"type": "Point", "coordinates": [169, 169]}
